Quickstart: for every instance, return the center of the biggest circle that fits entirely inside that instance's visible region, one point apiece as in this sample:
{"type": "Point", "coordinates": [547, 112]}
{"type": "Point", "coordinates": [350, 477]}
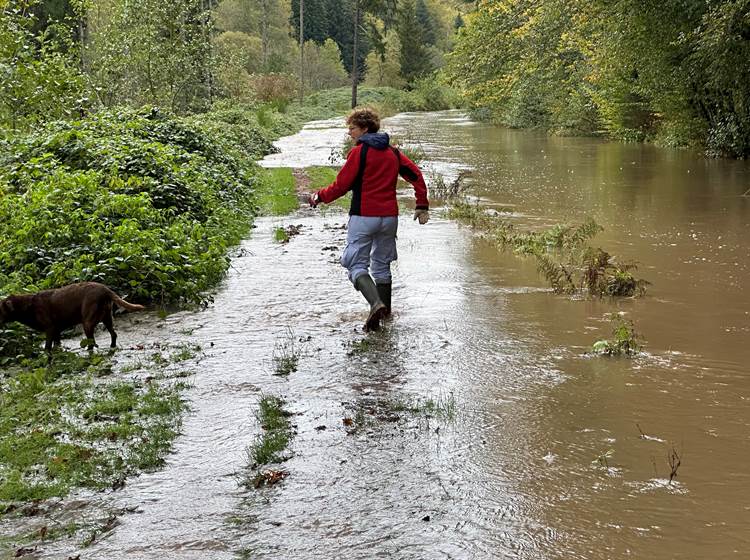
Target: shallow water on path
{"type": "Point", "coordinates": [545, 457]}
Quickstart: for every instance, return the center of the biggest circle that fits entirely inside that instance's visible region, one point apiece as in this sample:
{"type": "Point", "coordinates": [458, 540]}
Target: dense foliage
{"type": "Point", "coordinates": [138, 200]}
{"type": "Point", "coordinates": [183, 56]}
{"type": "Point", "coordinates": [675, 72]}
{"type": "Point", "coordinates": [39, 77]}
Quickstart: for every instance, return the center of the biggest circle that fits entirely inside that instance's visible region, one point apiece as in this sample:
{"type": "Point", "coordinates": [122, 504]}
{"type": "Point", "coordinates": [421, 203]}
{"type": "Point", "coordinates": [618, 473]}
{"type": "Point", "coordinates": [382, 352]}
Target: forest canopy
{"type": "Point", "coordinates": [672, 71]}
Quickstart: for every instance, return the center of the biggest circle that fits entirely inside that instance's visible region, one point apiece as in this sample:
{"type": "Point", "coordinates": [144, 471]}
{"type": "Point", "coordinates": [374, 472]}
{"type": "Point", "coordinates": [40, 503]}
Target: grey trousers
{"type": "Point", "coordinates": [370, 247]}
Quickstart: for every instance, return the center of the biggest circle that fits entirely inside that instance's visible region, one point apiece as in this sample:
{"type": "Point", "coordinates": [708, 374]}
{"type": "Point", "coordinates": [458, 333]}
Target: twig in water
{"type": "Point", "coordinates": [674, 460]}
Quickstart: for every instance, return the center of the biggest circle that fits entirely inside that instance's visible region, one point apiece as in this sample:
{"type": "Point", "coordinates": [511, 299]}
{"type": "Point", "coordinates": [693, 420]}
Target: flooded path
{"type": "Point", "coordinates": [545, 457]}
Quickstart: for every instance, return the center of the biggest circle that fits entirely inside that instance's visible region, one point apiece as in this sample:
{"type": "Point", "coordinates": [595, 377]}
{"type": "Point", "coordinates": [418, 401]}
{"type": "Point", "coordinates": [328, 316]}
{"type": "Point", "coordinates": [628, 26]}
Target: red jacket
{"type": "Point", "coordinates": [374, 187]}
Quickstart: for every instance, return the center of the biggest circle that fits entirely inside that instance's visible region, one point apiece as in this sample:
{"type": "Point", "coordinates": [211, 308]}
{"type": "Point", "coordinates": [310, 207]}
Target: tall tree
{"type": "Point", "coordinates": [317, 27]}
{"type": "Point", "coordinates": [355, 46]}
{"type": "Point", "coordinates": [40, 78]}
{"type": "Point", "coordinates": [266, 19]}
{"type": "Point", "coordinates": [414, 57]}
{"type": "Point", "coordinates": [333, 19]}
{"type": "Point", "coordinates": [426, 22]}
{"type": "Point", "coordinates": [154, 52]}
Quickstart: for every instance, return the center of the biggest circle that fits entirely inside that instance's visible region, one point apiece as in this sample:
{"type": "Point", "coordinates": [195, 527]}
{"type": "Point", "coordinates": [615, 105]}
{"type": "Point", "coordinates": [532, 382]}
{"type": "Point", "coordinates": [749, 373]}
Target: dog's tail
{"type": "Point", "coordinates": [124, 304]}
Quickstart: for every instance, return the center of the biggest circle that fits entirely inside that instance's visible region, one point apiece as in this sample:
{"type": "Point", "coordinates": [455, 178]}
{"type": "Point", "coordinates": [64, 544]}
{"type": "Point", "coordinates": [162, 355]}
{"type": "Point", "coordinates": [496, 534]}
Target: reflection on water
{"type": "Point", "coordinates": [553, 453]}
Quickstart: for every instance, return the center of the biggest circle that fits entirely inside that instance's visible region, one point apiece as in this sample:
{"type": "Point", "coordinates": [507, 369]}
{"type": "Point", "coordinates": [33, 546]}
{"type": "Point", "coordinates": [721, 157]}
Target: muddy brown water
{"type": "Point", "coordinates": [516, 474]}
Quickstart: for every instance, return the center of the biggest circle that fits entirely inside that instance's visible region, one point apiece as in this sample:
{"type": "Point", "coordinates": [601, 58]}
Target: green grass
{"type": "Point", "coordinates": [275, 193]}
{"type": "Point", "coordinates": [280, 235]}
{"type": "Point", "coordinates": [285, 354]}
{"type": "Point", "coordinates": [60, 428]}
{"type": "Point", "coordinates": [321, 177]}
{"type": "Point", "coordinates": [277, 433]}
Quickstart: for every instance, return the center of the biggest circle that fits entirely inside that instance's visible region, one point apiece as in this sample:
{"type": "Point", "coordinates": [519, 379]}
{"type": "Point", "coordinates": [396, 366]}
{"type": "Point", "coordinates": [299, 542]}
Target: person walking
{"type": "Point", "coordinates": [371, 172]}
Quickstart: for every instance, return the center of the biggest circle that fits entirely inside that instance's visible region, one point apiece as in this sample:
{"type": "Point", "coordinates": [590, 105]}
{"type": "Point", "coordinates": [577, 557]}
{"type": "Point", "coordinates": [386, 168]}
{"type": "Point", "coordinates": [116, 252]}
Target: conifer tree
{"type": "Point", "coordinates": [414, 57]}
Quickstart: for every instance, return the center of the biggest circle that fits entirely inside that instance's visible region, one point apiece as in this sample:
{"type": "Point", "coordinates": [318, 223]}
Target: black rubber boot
{"type": "Point", "coordinates": [368, 288]}
{"type": "Point", "coordinates": [384, 291]}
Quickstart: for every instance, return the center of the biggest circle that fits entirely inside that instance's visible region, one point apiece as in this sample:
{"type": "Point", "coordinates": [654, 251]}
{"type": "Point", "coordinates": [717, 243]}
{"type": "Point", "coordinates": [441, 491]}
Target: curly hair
{"type": "Point", "coordinates": [364, 118]}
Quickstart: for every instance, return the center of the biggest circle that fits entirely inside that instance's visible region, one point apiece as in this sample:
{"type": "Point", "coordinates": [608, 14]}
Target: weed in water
{"type": "Point", "coordinates": [276, 433]}
{"type": "Point", "coordinates": [603, 458]}
{"type": "Point", "coordinates": [60, 429]}
{"type": "Point", "coordinates": [284, 234]}
{"type": "Point", "coordinates": [158, 359]}
{"type": "Point", "coordinates": [286, 354]}
{"type": "Point", "coordinates": [280, 235]}
{"type": "Point", "coordinates": [135, 366]}
{"type": "Point", "coordinates": [674, 460]}
{"type": "Point", "coordinates": [184, 352]}
{"type": "Point", "coordinates": [439, 188]}
{"type": "Point", "coordinates": [563, 257]}
{"type": "Point", "coordinates": [625, 341]}
{"type": "Point", "coordinates": [269, 478]}
{"type": "Point", "coordinates": [442, 407]}
{"type": "Point", "coordinates": [361, 346]}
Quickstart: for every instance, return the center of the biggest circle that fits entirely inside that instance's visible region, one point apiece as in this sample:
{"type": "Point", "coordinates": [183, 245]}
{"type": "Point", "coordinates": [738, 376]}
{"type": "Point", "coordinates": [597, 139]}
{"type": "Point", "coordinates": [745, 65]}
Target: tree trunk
{"type": "Point", "coordinates": [355, 73]}
{"type": "Point", "coordinates": [264, 27]}
{"type": "Point", "coordinates": [301, 50]}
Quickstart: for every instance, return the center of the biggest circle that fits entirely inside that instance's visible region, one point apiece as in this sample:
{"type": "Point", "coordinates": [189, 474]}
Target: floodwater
{"type": "Point", "coordinates": [552, 453]}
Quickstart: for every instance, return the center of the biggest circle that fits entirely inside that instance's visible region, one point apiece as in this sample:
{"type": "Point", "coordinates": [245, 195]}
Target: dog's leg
{"type": "Point", "coordinates": [88, 330]}
{"type": "Point", "coordinates": [107, 320]}
{"type": "Point", "coordinates": [48, 345]}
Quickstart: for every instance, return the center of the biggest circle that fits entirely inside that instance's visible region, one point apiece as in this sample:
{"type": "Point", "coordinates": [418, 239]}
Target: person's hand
{"type": "Point", "coordinates": [314, 199]}
{"type": "Point", "coordinates": [422, 215]}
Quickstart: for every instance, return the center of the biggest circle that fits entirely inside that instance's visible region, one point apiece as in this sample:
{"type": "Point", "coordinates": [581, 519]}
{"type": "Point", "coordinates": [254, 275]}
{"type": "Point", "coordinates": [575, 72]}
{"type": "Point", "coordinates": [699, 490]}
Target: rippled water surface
{"type": "Point", "coordinates": [552, 454]}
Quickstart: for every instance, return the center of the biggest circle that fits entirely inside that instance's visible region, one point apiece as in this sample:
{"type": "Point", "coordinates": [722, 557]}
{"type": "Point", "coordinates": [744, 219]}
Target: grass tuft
{"type": "Point", "coordinates": [286, 354]}
{"type": "Point", "coordinates": [276, 434]}
{"type": "Point", "coordinates": [275, 192]}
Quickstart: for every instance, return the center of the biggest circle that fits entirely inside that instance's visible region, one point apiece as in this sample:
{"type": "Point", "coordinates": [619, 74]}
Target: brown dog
{"type": "Point", "coordinates": [53, 311]}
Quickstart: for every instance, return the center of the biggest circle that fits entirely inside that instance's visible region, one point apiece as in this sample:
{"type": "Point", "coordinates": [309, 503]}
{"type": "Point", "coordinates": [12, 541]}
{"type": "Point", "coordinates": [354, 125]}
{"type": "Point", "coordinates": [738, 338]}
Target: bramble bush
{"type": "Point", "coordinates": [139, 200]}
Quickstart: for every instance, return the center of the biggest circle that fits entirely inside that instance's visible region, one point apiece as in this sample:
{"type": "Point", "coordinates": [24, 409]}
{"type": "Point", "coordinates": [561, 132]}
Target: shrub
{"type": "Point", "coordinates": [138, 200]}
{"type": "Point", "coordinates": [276, 88]}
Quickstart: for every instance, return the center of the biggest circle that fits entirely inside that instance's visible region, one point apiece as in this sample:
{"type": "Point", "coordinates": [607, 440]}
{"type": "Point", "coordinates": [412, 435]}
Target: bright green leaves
{"type": "Point", "coordinates": [140, 201]}
{"type": "Point", "coordinates": [674, 71]}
